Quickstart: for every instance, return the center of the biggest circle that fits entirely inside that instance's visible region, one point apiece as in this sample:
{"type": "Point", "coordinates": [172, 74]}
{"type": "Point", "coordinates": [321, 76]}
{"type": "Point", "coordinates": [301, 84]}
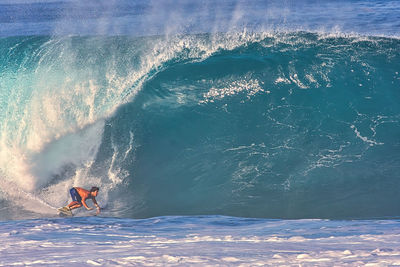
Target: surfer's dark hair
{"type": "Point", "coordinates": [94, 189]}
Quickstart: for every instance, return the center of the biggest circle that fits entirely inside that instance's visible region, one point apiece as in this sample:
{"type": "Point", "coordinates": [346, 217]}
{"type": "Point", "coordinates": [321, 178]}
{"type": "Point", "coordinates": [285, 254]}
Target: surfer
{"type": "Point", "coordinates": [79, 197]}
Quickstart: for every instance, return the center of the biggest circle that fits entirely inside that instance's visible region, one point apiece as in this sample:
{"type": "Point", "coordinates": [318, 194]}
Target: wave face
{"type": "Point", "coordinates": [276, 125]}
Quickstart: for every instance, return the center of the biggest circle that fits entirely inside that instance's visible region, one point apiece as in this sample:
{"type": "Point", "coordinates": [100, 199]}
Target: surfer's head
{"type": "Point", "coordinates": [94, 191]}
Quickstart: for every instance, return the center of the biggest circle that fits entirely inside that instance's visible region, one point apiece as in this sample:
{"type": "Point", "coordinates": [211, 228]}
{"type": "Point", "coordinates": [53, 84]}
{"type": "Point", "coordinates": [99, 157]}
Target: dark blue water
{"type": "Point", "coordinates": [137, 18]}
{"type": "Point", "coordinates": [274, 110]}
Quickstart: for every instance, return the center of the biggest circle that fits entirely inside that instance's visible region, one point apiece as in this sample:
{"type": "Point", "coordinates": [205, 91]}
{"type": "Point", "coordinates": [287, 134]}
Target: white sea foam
{"type": "Point", "coordinates": [206, 240]}
{"type": "Point", "coordinates": [363, 138]}
{"type": "Point", "coordinates": [251, 87]}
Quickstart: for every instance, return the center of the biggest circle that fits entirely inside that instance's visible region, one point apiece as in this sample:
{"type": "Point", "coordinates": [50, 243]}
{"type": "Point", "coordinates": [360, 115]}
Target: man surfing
{"type": "Point", "coordinates": [79, 197]}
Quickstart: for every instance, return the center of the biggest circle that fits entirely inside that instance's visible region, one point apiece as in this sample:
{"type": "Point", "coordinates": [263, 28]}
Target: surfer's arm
{"type": "Point", "coordinates": [85, 205]}
{"type": "Point", "coordinates": [95, 202]}
{"type": "Point", "coordinates": [97, 205]}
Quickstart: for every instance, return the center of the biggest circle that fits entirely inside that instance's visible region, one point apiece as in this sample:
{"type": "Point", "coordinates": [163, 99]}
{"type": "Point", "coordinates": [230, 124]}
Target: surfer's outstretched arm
{"type": "Point", "coordinates": [85, 205]}
{"type": "Point", "coordinates": [97, 205]}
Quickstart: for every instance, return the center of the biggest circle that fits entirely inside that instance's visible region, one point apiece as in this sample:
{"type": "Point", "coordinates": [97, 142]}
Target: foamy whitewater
{"type": "Point", "coordinates": [219, 132]}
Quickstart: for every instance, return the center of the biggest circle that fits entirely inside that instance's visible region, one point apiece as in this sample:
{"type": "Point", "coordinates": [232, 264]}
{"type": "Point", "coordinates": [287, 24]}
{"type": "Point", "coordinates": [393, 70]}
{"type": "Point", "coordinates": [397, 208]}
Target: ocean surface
{"type": "Point", "coordinates": [219, 132]}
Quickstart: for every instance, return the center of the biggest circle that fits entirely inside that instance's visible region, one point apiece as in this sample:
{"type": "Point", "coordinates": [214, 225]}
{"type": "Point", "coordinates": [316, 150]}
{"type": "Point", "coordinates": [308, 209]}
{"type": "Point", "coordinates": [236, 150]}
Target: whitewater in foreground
{"type": "Point", "coordinates": [199, 241]}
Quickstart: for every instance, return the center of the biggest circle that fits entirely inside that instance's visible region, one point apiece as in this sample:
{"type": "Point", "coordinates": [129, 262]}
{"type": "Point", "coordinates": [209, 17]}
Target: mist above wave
{"type": "Point", "coordinates": [144, 18]}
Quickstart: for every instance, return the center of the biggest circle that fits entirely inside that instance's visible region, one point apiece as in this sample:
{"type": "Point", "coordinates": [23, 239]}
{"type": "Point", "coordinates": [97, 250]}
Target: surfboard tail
{"type": "Point", "coordinates": [64, 211]}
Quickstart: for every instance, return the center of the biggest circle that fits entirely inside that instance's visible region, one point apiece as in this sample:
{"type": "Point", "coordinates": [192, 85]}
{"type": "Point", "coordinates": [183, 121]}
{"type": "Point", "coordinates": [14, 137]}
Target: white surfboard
{"type": "Point", "coordinates": [64, 211]}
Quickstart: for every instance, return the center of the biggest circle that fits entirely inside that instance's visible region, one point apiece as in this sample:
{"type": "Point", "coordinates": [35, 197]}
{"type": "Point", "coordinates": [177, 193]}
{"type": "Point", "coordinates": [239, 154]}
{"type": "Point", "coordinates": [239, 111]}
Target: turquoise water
{"type": "Point", "coordinates": [275, 125]}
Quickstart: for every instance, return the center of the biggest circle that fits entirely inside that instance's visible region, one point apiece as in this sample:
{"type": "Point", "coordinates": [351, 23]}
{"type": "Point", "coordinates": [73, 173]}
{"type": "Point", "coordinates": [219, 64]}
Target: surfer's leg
{"type": "Point", "coordinates": [76, 199]}
{"type": "Point", "coordinates": [74, 205]}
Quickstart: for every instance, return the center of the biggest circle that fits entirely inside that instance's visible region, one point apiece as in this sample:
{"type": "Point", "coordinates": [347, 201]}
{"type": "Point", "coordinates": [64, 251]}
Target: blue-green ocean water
{"type": "Point", "coordinates": [293, 126]}
{"type": "Point", "coordinates": [243, 121]}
